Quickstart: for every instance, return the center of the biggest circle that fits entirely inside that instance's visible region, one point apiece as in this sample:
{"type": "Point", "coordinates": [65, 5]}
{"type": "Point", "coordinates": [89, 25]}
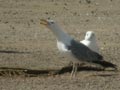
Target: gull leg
{"type": "Point", "coordinates": [74, 70]}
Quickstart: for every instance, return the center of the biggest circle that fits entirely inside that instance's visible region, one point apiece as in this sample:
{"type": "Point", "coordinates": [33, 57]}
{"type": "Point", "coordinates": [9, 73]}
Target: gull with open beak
{"type": "Point", "coordinates": [74, 50]}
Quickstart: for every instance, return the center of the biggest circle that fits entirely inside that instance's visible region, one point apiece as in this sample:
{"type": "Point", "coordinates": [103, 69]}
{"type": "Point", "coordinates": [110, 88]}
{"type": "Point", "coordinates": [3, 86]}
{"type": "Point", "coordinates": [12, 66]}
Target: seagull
{"type": "Point", "coordinates": [74, 50]}
{"type": "Point", "coordinates": [90, 41]}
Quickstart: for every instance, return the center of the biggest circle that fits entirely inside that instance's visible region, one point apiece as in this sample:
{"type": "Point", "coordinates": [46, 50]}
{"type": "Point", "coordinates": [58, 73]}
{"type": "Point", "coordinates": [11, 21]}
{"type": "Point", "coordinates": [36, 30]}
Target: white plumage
{"type": "Point", "coordinates": [61, 47]}
{"type": "Point", "coordinates": [90, 41]}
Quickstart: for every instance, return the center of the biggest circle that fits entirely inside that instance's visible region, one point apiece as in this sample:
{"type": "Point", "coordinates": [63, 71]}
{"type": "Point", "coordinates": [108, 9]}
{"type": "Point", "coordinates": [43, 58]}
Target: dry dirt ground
{"type": "Point", "coordinates": [27, 48]}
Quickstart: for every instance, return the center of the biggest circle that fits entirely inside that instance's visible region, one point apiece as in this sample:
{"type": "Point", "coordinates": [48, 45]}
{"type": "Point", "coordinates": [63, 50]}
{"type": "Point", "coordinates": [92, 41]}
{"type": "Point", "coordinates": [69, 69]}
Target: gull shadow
{"type": "Point", "coordinates": [85, 68]}
{"type": "Point", "coordinates": [6, 71]}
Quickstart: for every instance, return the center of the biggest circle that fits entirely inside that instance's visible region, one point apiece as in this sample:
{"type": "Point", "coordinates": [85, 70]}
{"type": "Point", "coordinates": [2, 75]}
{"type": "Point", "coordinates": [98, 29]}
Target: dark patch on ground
{"type": "Point", "coordinates": [5, 71]}
{"type": "Point", "coordinates": [17, 52]}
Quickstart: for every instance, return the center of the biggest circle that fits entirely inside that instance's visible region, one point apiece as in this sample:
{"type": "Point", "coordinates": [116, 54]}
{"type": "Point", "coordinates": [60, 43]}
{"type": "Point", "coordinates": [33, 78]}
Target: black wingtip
{"type": "Point", "coordinates": [106, 64]}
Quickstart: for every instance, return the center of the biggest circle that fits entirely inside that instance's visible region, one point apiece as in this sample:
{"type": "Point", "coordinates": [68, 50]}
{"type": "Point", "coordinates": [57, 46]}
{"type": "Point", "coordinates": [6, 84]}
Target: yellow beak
{"type": "Point", "coordinates": [44, 22]}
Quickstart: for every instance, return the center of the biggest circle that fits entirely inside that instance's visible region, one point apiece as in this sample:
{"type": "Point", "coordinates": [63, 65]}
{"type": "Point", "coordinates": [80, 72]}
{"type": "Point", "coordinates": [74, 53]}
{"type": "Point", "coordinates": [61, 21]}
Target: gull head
{"type": "Point", "coordinates": [89, 35]}
{"type": "Point", "coordinates": [48, 23]}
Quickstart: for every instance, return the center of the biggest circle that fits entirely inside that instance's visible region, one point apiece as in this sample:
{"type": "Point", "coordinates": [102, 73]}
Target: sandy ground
{"type": "Point", "coordinates": [25, 44]}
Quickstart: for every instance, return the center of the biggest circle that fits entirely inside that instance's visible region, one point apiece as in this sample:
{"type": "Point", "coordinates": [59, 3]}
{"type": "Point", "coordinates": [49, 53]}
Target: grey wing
{"type": "Point", "coordinates": [82, 52]}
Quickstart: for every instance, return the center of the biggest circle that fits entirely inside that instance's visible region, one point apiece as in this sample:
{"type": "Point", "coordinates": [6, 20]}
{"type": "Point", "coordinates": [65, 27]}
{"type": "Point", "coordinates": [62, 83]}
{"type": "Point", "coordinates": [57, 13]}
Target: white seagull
{"type": "Point", "coordinates": [90, 41]}
{"type": "Point", "coordinates": [73, 49]}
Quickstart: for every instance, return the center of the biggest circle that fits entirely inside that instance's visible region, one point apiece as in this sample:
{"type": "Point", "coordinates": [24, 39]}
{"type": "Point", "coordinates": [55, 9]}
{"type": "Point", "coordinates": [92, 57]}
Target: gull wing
{"type": "Point", "coordinates": [82, 52]}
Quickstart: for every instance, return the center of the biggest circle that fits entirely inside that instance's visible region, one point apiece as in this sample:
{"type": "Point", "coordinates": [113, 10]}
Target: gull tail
{"type": "Point", "coordinates": [106, 64]}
